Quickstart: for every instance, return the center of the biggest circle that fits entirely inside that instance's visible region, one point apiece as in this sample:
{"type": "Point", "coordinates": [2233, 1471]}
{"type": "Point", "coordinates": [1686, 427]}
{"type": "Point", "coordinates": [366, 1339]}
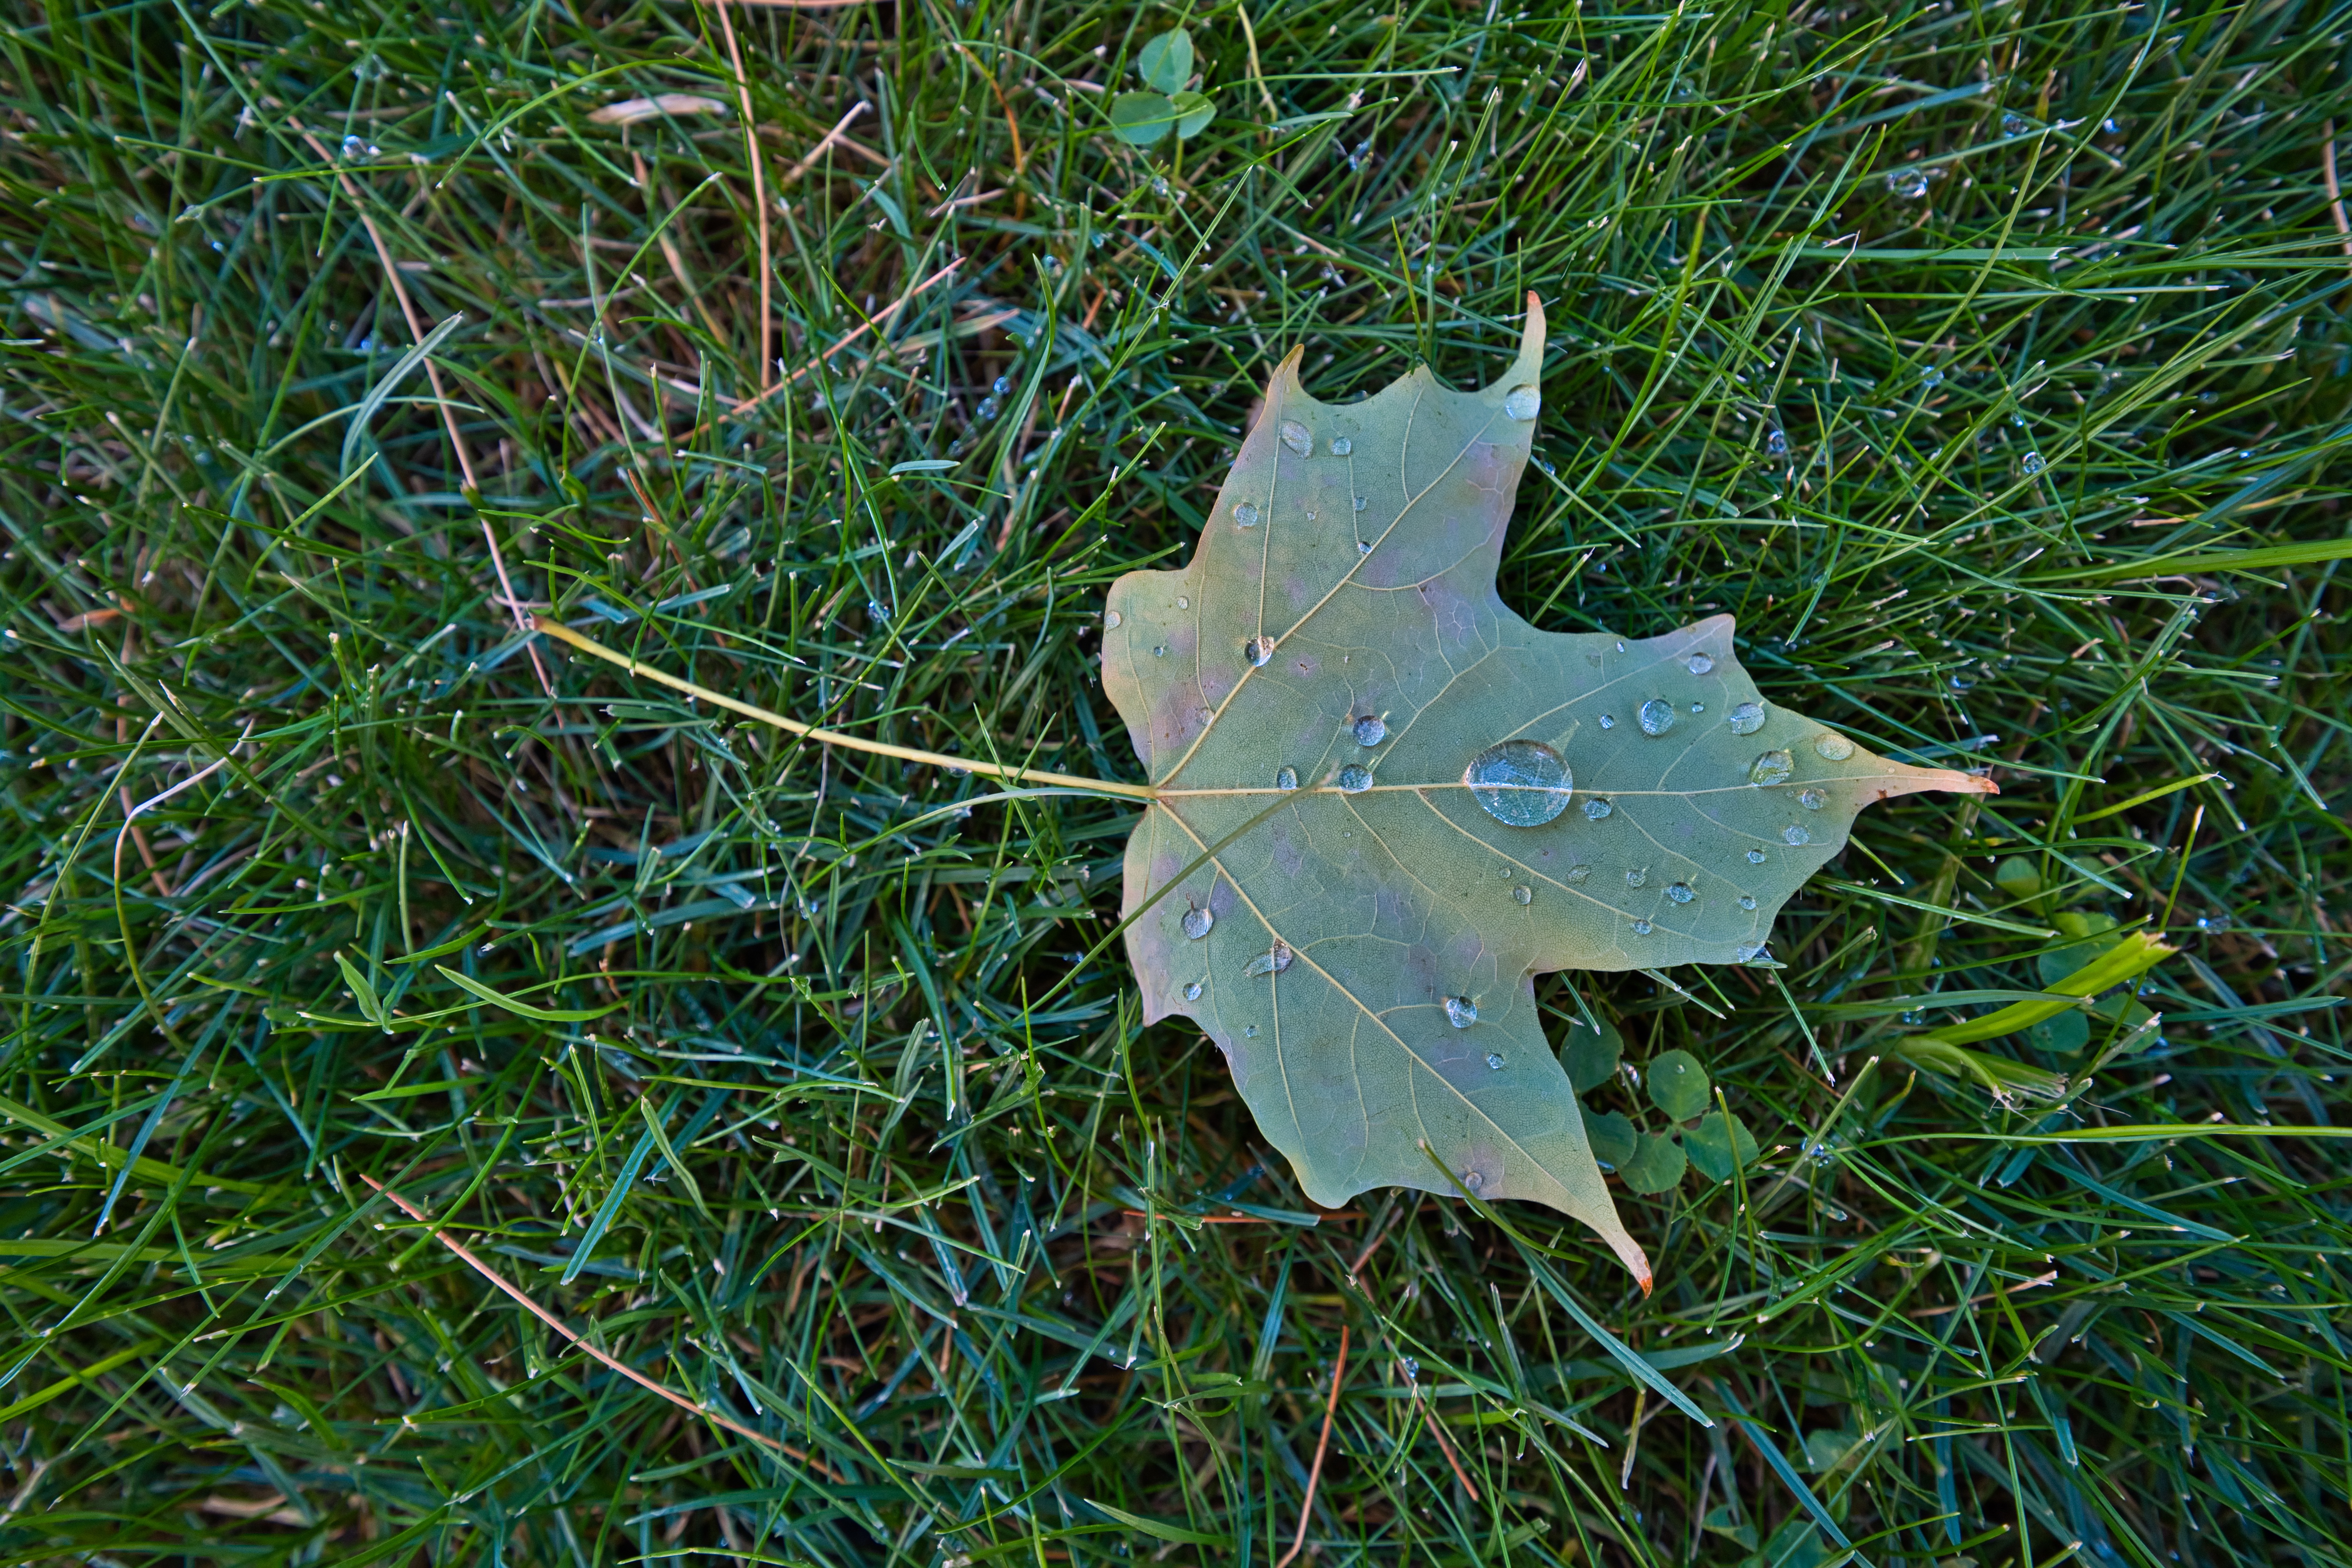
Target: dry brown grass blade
{"type": "Point", "coordinates": [1322, 1446]}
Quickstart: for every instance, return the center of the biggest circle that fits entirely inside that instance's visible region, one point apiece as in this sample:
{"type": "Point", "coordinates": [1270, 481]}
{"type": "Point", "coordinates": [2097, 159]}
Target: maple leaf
{"type": "Point", "coordinates": [1390, 803]}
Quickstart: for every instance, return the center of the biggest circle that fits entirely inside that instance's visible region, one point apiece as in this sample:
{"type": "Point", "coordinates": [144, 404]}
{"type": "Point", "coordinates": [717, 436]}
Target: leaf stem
{"type": "Point", "coordinates": [1016, 775]}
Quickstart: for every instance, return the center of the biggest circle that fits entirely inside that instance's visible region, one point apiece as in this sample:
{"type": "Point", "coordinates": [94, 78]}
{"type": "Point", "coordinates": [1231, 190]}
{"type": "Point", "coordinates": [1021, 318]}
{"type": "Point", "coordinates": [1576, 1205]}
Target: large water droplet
{"type": "Point", "coordinates": [1245, 514]}
{"type": "Point", "coordinates": [1598, 807]}
{"type": "Point", "coordinates": [1259, 651]}
{"type": "Point", "coordinates": [1522, 782]}
{"type": "Point", "coordinates": [1681, 892]}
{"type": "Point", "coordinates": [1285, 779]}
{"type": "Point", "coordinates": [1747, 900]}
{"type": "Point", "coordinates": [1812, 799]}
{"type": "Point", "coordinates": [1370, 730]}
{"type": "Point", "coordinates": [1638, 877]}
{"type": "Point", "coordinates": [1272, 962]}
{"type": "Point", "coordinates": [1524, 894]}
{"type": "Point", "coordinates": [1832, 745]}
{"type": "Point", "coordinates": [1354, 779]}
{"type": "Point", "coordinates": [1522, 403]}
{"type": "Point", "coordinates": [2034, 463]}
{"type": "Point", "coordinates": [1609, 721]}
{"type": "Point", "coordinates": [1461, 1012]}
{"type": "Point", "coordinates": [1771, 768]}
{"type": "Point", "coordinates": [1756, 857]}
{"type": "Point", "coordinates": [1197, 921]}
{"type": "Point", "coordinates": [1579, 873]}
{"type": "Point", "coordinates": [1296, 437]}
{"type": "Point", "coordinates": [1192, 992]}
{"type": "Point", "coordinates": [1494, 1061]}
{"type": "Point", "coordinates": [1341, 446]}
{"type": "Point", "coordinates": [1656, 716]}
{"type": "Point", "coordinates": [1641, 928]}
{"type": "Point", "coordinates": [1745, 717]}
{"type": "Point", "coordinates": [1701, 663]}
{"type": "Point", "coordinates": [1110, 620]}
{"type": "Point", "coordinates": [1792, 834]}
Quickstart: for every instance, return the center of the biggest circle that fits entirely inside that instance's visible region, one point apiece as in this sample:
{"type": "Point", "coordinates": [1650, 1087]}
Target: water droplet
{"type": "Point", "coordinates": [1524, 894]}
{"type": "Point", "coordinates": [1003, 387]}
{"type": "Point", "coordinates": [1285, 779]}
{"type": "Point", "coordinates": [1579, 873]}
{"type": "Point", "coordinates": [1609, 721]}
{"type": "Point", "coordinates": [1370, 730]}
{"type": "Point", "coordinates": [1259, 651]}
{"type": "Point", "coordinates": [1494, 1061]}
{"type": "Point", "coordinates": [1933, 375]}
{"type": "Point", "coordinates": [1832, 746]}
{"type": "Point", "coordinates": [1598, 807]}
{"type": "Point", "coordinates": [1192, 992]}
{"type": "Point", "coordinates": [1363, 547]}
{"type": "Point", "coordinates": [1701, 663]}
{"type": "Point", "coordinates": [1771, 768]}
{"type": "Point", "coordinates": [1197, 921]}
{"type": "Point", "coordinates": [1341, 446]}
{"type": "Point", "coordinates": [2015, 125]}
{"type": "Point", "coordinates": [1522, 782]}
{"type": "Point", "coordinates": [1698, 707]}
{"type": "Point", "coordinates": [1251, 1032]}
{"type": "Point", "coordinates": [1681, 892]}
{"type": "Point", "coordinates": [1638, 877]}
{"type": "Point", "coordinates": [1182, 603]}
{"type": "Point", "coordinates": [1110, 620]}
{"type": "Point", "coordinates": [354, 148]}
{"type": "Point", "coordinates": [1641, 928]}
{"type": "Point", "coordinates": [1160, 652]}
{"type": "Point", "coordinates": [1311, 514]}
{"type": "Point", "coordinates": [1656, 716]}
{"type": "Point", "coordinates": [1812, 799]}
{"type": "Point", "coordinates": [1245, 514]}
{"type": "Point", "coordinates": [1274, 960]}
{"type": "Point", "coordinates": [1354, 779]}
{"type": "Point", "coordinates": [1792, 834]}
{"type": "Point", "coordinates": [1362, 502]}
{"type": "Point", "coordinates": [2111, 126]}
{"type": "Point", "coordinates": [1522, 403]}
{"type": "Point", "coordinates": [1776, 443]}
{"type": "Point", "coordinates": [2034, 463]}
{"type": "Point", "coordinates": [1296, 437]}
{"type": "Point", "coordinates": [1751, 952]}
{"type": "Point", "coordinates": [1620, 646]}
{"type": "Point", "coordinates": [1756, 857]}
{"type": "Point", "coordinates": [1461, 1012]}
{"type": "Point", "coordinates": [1745, 717]}
{"type": "Point", "coordinates": [1908, 183]}
{"type": "Point", "coordinates": [1747, 900]}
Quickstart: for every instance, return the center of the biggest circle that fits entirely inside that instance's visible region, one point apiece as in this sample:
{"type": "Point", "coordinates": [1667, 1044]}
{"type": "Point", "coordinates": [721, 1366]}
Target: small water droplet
{"type": "Point", "coordinates": [1160, 652]}
{"type": "Point", "coordinates": [1621, 648]}
{"type": "Point", "coordinates": [1311, 514]}
{"type": "Point", "coordinates": [1771, 768]}
{"type": "Point", "coordinates": [2015, 125]}
{"type": "Point", "coordinates": [1003, 387]}
{"type": "Point", "coordinates": [1251, 1032]}
{"type": "Point", "coordinates": [354, 148]}
{"type": "Point", "coordinates": [1812, 799]}
{"type": "Point", "coordinates": [1745, 717]}
{"type": "Point", "coordinates": [2034, 463]}
{"type": "Point", "coordinates": [1580, 874]}
{"type": "Point", "coordinates": [1363, 547]}
{"type": "Point", "coordinates": [1792, 834]}
{"type": "Point", "coordinates": [1524, 894]}
{"type": "Point", "coordinates": [1274, 960]}
{"type": "Point", "coordinates": [2111, 126]}
{"type": "Point", "coordinates": [1182, 603]}
{"type": "Point", "coordinates": [1259, 651]}
{"type": "Point", "coordinates": [1370, 730]}
{"type": "Point", "coordinates": [1354, 779]}
{"type": "Point", "coordinates": [1245, 514]}
{"type": "Point", "coordinates": [1525, 784]}
{"type": "Point", "coordinates": [1494, 1061]}
{"type": "Point", "coordinates": [1681, 892]}
{"type": "Point", "coordinates": [1638, 877]}
{"type": "Point", "coordinates": [1698, 707]}
{"type": "Point", "coordinates": [1285, 779]}
{"type": "Point", "coordinates": [1932, 375]}
{"type": "Point", "coordinates": [1609, 721]}
{"type": "Point", "coordinates": [1341, 446]}
{"type": "Point", "coordinates": [1362, 502]}
{"type": "Point", "coordinates": [1656, 716]}
{"type": "Point", "coordinates": [1461, 1012]}
{"type": "Point", "coordinates": [1641, 928]}
{"type": "Point", "coordinates": [1296, 437]}
{"type": "Point", "coordinates": [1701, 663]}
{"type": "Point", "coordinates": [1832, 746]}
{"type": "Point", "coordinates": [1776, 442]}
{"type": "Point", "coordinates": [1192, 992]}
{"type": "Point", "coordinates": [1197, 921]}
{"type": "Point", "coordinates": [1756, 857]}
{"type": "Point", "coordinates": [1747, 900]}
{"type": "Point", "coordinates": [1598, 807]}
{"type": "Point", "coordinates": [1908, 183]}
{"type": "Point", "coordinates": [1110, 620]}
{"type": "Point", "coordinates": [1523, 403]}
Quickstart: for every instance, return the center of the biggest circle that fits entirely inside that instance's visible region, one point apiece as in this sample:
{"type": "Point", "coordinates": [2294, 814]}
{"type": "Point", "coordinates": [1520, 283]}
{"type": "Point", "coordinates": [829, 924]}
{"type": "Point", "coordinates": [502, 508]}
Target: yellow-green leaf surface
{"type": "Point", "coordinates": [1365, 954]}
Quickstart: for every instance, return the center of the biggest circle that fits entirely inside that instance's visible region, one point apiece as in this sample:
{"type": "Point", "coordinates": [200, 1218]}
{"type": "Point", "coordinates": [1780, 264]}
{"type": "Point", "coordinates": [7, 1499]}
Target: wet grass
{"type": "Point", "coordinates": [1962, 350]}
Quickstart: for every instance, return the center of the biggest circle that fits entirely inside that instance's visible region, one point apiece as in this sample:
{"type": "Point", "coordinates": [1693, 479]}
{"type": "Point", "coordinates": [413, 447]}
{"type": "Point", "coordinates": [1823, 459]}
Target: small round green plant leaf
{"type": "Point", "coordinates": [1678, 1085]}
{"type": "Point", "coordinates": [1165, 62]}
{"type": "Point", "coordinates": [2067, 1032]}
{"type": "Point", "coordinates": [1610, 1133]}
{"type": "Point", "coordinates": [2017, 877]}
{"type": "Point", "coordinates": [1139, 119]}
{"type": "Point", "coordinates": [1591, 1059]}
{"type": "Point", "coordinates": [1656, 1165]}
{"type": "Point", "coordinates": [1718, 1145]}
{"type": "Point", "coordinates": [1193, 112]}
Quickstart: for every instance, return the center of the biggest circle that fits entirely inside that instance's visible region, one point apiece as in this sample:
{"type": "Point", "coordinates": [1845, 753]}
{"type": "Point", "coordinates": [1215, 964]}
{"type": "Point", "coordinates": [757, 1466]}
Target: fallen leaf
{"type": "Point", "coordinates": [633, 111]}
{"type": "Point", "coordinates": [1392, 802]}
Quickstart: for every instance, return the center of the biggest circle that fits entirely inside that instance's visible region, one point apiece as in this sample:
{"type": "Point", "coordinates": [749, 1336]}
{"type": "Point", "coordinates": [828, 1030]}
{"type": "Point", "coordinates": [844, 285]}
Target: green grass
{"type": "Point", "coordinates": [795, 1144]}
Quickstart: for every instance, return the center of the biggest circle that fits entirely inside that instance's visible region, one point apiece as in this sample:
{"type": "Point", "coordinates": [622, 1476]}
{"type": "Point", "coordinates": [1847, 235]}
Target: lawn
{"type": "Point", "coordinates": [464, 1103]}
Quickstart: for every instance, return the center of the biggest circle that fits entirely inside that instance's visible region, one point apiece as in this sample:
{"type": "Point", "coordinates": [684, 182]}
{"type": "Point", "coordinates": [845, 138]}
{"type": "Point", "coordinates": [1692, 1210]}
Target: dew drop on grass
{"type": "Point", "coordinates": [1370, 730]}
{"type": "Point", "coordinates": [1641, 928]}
{"type": "Point", "coordinates": [1812, 799]}
{"type": "Point", "coordinates": [1598, 807]}
{"type": "Point", "coordinates": [1656, 716]}
{"type": "Point", "coordinates": [1523, 403]}
{"type": "Point", "coordinates": [1494, 1061]}
{"type": "Point", "coordinates": [1832, 746]}
{"type": "Point", "coordinates": [1341, 446]}
{"type": "Point", "coordinates": [1681, 892]}
{"type": "Point", "coordinates": [1771, 768]}
{"type": "Point", "coordinates": [1747, 900]}
{"type": "Point", "coordinates": [1580, 874]}
{"type": "Point", "coordinates": [1701, 663]}
{"type": "Point", "coordinates": [1197, 921]}
{"type": "Point", "coordinates": [1285, 779]}
{"type": "Point", "coordinates": [1638, 877]}
{"type": "Point", "coordinates": [2014, 125]}
{"type": "Point", "coordinates": [1192, 992]}
{"type": "Point", "coordinates": [1001, 386]}
{"type": "Point", "coordinates": [1110, 620]}
{"type": "Point", "coordinates": [1294, 436]}
{"type": "Point", "coordinates": [1776, 442]}
{"type": "Point", "coordinates": [1245, 514]}
{"type": "Point", "coordinates": [1355, 780]}
{"type": "Point", "coordinates": [1756, 857]}
{"type": "Point", "coordinates": [1908, 183]}
{"type": "Point", "coordinates": [2034, 463]}
{"type": "Point", "coordinates": [1745, 717]}
{"type": "Point", "coordinates": [1933, 375]}
{"type": "Point", "coordinates": [1525, 784]}
{"type": "Point", "coordinates": [1272, 962]}
{"type": "Point", "coordinates": [1792, 834]}
{"type": "Point", "coordinates": [1524, 894]}
{"type": "Point", "coordinates": [1259, 651]}
{"type": "Point", "coordinates": [1461, 1012]}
